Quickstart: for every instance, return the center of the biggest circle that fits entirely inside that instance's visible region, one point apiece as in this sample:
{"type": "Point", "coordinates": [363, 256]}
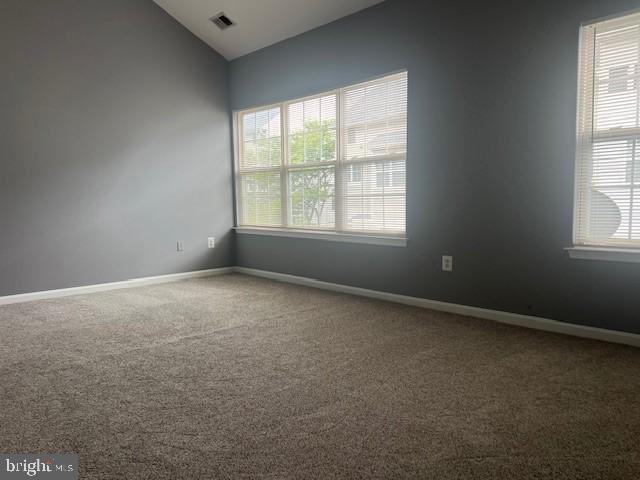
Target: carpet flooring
{"type": "Point", "coordinates": [238, 377]}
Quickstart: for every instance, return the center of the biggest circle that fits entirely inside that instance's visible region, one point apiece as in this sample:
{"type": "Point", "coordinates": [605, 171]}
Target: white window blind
{"type": "Point", "coordinates": [375, 148]}
{"type": "Point", "coordinates": [607, 210]}
{"type": "Point", "coordinates": [331, 162]}
{"type": "Point", "coordinates": [260, 177]}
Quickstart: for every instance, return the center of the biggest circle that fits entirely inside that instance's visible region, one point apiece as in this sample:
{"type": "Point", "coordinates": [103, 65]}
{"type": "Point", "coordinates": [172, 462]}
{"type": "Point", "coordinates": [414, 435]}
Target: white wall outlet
{"type": "Point", "coordinates": [447, 263]}
{"type": "Point", "coordinates": [180, 246]}
{"type": "Point", "coordinates": [211, 242]}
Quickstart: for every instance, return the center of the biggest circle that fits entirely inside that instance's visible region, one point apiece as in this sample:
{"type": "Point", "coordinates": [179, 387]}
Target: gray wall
{"type": "Point", "coordinates": [491, 149]}
{"type": "Point", "coordinates": [114, 144]}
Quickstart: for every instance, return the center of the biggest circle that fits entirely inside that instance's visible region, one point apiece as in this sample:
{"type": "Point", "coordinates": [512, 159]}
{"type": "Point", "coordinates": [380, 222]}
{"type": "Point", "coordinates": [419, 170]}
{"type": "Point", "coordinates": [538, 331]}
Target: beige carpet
{"type": "Point", "coordinates": [238, 377]}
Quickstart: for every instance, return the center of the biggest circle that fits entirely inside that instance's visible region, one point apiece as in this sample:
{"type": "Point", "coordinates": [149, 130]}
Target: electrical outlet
{"type": "Point", "coordinates": [180, 246]}
{"type": "Point", "coordinates": [211, 242]}
{"type": "Point", "coordinates": [447, 263]}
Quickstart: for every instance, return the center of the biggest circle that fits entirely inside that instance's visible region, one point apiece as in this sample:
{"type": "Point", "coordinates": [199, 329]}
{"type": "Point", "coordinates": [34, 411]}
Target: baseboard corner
{"type": "Point", "coordinates": [118, 285]}
{"type": "Point", "coordinates": [526, 321]}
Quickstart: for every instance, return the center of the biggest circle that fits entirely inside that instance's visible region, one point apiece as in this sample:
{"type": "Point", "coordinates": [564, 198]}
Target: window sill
{"type": "Point", "coordinates": [606, 254]}
{"type": "Point", "coordinates": [328, 236]}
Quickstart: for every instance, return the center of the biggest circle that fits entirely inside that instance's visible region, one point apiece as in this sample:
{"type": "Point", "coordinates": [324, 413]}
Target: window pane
{"type": "Point", "coordinates": [311, 197]}
{"type": "Point", "coordinates": [376, 202]}
{"type": "Point", "coordinates": [613, 203]}
{"type": "Point", "coordinates": [375, 127]}
{"type": "Point", "coordinates": [376, 118]}
{"type": "Point", "coordinates": [261, 199]}
{"type": "Point", "coordinates": [262, 124]}
{"type": "Point", "coordinates": [617, 53]}
{"type": "Point", "coordinates": [249, 155]}
{"type": "Point", "coordinates": [312, 130]}
{"type": "Point", "coordinates": [262, 145]}
{"type": "Point", "coordinates": [612, 162]}
{"type": "Point", "coordinates": [249, 127]}
{"type": "Point", "coordinates": [355, 173]}
{"type": "Point", "coordinates": [610, 213]}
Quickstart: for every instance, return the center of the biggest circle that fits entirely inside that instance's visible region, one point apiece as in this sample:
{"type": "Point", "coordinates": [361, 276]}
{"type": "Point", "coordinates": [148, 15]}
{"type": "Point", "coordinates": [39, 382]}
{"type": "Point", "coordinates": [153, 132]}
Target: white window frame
{"type": "Point", "coordinates": [341, 166]}
{"type": "Point", "coordinates": [585, 250]}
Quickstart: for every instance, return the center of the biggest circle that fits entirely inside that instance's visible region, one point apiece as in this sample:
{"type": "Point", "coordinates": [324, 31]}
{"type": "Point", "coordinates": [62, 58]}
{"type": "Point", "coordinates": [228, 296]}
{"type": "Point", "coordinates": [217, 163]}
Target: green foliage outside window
{"type": "Point", "coordinates": [312, 189]}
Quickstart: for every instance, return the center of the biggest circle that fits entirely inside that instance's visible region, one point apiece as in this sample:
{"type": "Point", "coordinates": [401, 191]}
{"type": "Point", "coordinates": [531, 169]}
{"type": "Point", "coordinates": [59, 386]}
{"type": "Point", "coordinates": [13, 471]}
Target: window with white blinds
{"type": "Point", "coordinates": [607, 210]}
{"type": "Point", "coordinates": [332, 162]}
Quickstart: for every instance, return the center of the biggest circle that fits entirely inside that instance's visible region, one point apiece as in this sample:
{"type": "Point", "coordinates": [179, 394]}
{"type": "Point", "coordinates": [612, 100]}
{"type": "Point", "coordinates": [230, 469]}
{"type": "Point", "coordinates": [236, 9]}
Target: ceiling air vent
{"type": "Point", "coordinates": [222, 21]}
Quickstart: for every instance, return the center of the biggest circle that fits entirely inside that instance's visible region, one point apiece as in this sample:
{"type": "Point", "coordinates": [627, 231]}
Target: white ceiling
{"type": "Point", "coordinates": [259, 22]}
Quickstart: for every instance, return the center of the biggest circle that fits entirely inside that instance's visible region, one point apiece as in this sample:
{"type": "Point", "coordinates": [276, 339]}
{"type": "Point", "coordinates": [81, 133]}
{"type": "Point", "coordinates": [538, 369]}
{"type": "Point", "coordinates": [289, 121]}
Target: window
{"type": "Point", "coordinates": [355, 173]}
{"type": "Point", "coordinates": [391, 175]}
{"type": "Point", "coordinates": [333, 162]}
{"type": "Point", "coordinates": [607, 208]}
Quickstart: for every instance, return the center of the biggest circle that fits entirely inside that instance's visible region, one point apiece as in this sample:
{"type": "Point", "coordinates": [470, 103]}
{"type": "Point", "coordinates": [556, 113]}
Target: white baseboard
{"type": "Point", "coordinates": [136, 282]}
{"type": "Point", "coordinates": [526, 321]}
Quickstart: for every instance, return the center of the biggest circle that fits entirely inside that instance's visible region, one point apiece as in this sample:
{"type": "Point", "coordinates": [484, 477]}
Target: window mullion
{"type": "Point", "coordinates": [246, 171]}
{"type": "Point", "coordinates": [284, 163]}
{"type": "Point", "coordinates": [339, 197]}
{"type": "Point", "coordinates": [585, 148]}
{"type": "Point", "coordinates": [376, 159]}
{"type": "Point", "coordinates": [590, 127]}
{"type": "Point", "coordinates": [240, 196]}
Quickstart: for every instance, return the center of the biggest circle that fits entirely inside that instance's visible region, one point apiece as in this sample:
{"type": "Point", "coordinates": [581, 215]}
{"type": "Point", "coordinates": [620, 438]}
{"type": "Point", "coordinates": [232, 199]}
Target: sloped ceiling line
{"type": "Point", "coordinates": [260, 23]}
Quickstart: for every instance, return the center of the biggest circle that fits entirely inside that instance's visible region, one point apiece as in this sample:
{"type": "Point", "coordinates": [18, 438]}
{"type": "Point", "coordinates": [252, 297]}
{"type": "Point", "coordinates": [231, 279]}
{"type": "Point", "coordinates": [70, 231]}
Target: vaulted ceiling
{"type": "Point", "coordinates": [259, 23]}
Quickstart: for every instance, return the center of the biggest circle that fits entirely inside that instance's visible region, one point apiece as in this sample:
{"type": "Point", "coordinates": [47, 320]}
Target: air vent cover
{"type": "Point", "coordinates": [222, 21]}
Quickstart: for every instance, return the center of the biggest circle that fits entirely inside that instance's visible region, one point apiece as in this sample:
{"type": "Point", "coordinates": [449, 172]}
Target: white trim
{"type": "Point", "coordinates": [326, 235]}
{"type": "Point", "coordinates": [236, 167]}
{"type": "Point", "coordinates": [606, 254]}
{"type": "Point", "coordinates": [526, 321]}
{"type": "Point", "coordinates": [103, 287]}
{"type": "Point", "coordinates": [284, 166]}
